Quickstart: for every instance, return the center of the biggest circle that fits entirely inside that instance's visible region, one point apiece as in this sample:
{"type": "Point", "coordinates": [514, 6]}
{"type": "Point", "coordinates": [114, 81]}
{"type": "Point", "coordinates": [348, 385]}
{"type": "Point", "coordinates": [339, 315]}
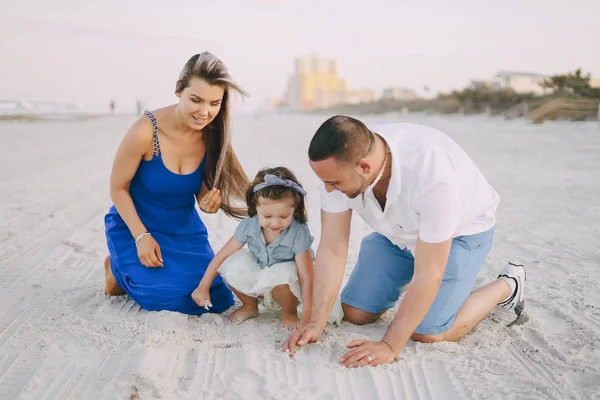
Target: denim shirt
{"type": "Point", "coordinates": [292, 241]}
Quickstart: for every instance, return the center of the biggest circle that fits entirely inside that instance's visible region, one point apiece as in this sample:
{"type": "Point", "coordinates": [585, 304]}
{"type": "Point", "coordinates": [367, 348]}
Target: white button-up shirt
{"type": "Point", "coordinates": [436, 192]}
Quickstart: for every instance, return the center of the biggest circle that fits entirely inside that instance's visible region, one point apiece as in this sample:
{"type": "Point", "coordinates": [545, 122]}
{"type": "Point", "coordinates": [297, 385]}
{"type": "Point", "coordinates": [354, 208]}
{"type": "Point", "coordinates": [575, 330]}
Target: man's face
{"type": "Point", "coordinates": [339, 176]}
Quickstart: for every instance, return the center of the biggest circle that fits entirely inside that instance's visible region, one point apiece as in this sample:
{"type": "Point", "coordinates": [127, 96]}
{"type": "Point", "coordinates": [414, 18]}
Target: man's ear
{"type": "Point", "coordinates": [364, 167]}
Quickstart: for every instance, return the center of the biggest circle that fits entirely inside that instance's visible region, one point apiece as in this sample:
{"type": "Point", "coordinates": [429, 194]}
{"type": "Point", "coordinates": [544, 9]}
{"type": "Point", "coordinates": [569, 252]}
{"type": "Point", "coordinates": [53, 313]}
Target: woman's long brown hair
{"type": "Point", "coordinates": [222, 168]}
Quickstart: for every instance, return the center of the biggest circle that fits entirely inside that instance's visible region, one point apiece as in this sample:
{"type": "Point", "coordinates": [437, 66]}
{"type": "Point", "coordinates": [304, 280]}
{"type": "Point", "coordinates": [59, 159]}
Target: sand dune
{"type": "Point", "coordinates": [61, 338]}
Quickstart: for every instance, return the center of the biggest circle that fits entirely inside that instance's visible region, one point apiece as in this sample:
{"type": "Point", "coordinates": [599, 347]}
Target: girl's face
{"type": "Point", "coordinates": [275, 215]}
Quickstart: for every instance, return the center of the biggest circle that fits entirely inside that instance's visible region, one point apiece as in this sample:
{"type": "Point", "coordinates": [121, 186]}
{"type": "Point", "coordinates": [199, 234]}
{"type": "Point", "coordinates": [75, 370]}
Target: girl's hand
{"type": "Point", "coordinates": [149, 252]}
{"type": "Point", "coordinates": [211, 202]}
{"type": "Point", "coordinates": [201, 296]}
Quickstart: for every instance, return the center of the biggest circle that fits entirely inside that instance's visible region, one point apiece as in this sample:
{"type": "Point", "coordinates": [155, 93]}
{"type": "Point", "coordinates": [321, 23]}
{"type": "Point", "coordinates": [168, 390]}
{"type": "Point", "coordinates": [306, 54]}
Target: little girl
{"type": "Point", "coordinates": [278, 264]}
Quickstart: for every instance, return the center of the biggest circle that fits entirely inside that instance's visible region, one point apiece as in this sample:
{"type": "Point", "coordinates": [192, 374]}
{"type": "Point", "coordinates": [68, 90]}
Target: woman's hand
{"type": "Point", "coordinates": [211, 202]}
{"type": "Point", "coordinates": [149, 252]}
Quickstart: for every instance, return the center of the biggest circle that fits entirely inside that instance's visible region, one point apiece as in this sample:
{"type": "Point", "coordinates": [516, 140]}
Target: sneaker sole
{"type": "Point", "coordinates": [521, 317]}
{"type": "Point", "coordinates": [521, 320]}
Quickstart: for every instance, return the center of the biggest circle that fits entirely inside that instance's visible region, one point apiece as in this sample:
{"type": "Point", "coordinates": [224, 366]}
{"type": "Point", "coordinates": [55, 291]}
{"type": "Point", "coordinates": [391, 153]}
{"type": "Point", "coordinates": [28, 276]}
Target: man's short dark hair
{"type": "Point", "coordinates": [343, 138]}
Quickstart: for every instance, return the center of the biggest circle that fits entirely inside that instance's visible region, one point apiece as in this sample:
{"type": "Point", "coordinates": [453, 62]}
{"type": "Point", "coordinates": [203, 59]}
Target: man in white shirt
{"type": "Point", "coordinates": [433, 216]}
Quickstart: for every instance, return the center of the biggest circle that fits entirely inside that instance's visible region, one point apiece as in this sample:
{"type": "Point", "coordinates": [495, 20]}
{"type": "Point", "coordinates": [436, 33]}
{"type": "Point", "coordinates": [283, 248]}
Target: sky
{"type": "Point", "coordinates": [90, 52]}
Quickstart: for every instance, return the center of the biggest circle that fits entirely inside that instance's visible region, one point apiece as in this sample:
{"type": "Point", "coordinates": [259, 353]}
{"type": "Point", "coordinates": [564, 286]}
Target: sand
{"type": "Point", "coordinates": [62, 338]}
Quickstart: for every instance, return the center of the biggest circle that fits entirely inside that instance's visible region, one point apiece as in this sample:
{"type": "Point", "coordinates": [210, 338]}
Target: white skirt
{"type": "Point", "coordinates": [242, 272]}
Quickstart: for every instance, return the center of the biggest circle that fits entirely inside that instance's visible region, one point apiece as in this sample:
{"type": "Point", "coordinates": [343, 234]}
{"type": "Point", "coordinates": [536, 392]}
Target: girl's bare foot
{"type": "Point", "coordinates": [289, 306]}
{"type": "Point", "coordinates": [246, 311]}
{"type": "Point", "coordinates": [112, 288]}
{"type": "Point", "coordinates": [289, 320]}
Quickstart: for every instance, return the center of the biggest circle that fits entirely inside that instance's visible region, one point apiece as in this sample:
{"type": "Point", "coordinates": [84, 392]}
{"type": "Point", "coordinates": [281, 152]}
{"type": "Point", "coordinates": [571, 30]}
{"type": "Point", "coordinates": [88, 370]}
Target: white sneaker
{"type": "Point", "coordinates": [516, 302]}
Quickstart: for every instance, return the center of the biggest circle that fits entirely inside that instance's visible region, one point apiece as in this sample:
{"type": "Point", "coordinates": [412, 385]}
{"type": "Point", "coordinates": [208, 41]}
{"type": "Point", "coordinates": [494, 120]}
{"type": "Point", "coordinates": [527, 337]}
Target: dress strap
{"type": "Point", "coordinates": [156, 149]}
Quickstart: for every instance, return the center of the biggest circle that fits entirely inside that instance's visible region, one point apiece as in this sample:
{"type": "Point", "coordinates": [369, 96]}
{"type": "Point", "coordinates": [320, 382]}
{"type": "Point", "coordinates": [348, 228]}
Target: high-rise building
{"type": "Point", "coordinates": [314, 84]}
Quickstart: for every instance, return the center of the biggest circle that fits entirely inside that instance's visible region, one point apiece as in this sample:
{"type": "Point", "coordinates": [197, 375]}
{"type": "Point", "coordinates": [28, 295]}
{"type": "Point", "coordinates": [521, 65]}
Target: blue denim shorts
{"type": "Point", "coordinates": [383, 270]}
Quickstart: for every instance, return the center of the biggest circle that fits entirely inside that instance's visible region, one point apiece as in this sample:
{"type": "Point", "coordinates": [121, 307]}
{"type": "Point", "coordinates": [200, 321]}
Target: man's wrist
{"type": "Point", "coordinates": [316, 325]}
{"type": "Point", "coordinates": [387, 342]}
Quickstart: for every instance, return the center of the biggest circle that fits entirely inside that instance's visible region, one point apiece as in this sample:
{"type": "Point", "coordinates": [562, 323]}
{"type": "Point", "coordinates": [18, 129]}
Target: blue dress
{"type": "Point", "coordinates": [165, 202]}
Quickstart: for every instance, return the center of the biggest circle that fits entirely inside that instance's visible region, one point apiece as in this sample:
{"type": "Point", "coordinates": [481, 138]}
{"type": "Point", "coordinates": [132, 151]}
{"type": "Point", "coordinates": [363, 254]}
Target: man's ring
{"type": "Point", "coordinates": [370, 359]}
{"type": "Point", "coordinates": [205, 202]}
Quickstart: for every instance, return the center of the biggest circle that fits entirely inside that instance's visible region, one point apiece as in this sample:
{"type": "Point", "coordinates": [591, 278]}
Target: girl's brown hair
{"type": "Point", "coordinates": [222, 168]}
{"type": "Point", "coordinates": [276, 192]}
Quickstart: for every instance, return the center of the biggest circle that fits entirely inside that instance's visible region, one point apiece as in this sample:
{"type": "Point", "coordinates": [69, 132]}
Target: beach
{"type": "Point", "coordinates": [62, 338]}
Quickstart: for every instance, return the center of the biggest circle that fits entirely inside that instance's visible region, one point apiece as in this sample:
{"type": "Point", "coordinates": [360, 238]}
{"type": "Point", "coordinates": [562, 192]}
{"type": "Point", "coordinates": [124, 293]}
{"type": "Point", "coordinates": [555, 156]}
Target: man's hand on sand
{"type": "Point", "coordinates": [309, 333]}
{"type": "Point", "coordinates": [365, 352]}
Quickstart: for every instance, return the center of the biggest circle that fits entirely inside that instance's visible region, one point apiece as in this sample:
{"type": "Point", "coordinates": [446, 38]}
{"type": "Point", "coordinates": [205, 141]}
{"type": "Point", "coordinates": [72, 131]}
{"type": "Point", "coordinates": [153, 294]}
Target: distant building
{"type": "Point", "coordinates": [315, 83]}
{"type": "Point", "coordinates": [396, 93]}
{"type": "Point", "coordinates": [595, 82]}
{"type": "Point", "coordinates": [359, 96]}
{"type": "Point", "coordinates": [521, 82]}
{"type": "Point", "coordinates": [482, 85]}
{"type": "Point", "coordinates": [327, 97]}
{"type": "Point", "coordinates": [273, 103]}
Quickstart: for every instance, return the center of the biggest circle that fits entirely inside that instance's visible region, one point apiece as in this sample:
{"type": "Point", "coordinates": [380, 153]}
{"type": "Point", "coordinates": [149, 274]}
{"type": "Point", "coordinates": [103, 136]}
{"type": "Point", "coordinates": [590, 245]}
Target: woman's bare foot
{"type": "Point", "coordinates": [289, 320]}
{"type": "Point", "coordinates": [246, 311]}
{"type": "Point", "coordinates": [112, 288]}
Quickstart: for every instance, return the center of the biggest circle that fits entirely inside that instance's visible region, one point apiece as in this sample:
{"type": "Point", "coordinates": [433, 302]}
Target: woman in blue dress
{"type": "Point", "coordinates": [168, 160]}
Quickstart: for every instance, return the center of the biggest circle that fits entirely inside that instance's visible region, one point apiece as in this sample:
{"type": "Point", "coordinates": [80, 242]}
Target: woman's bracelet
{"type": "Point", "coordinates": [140, 237]}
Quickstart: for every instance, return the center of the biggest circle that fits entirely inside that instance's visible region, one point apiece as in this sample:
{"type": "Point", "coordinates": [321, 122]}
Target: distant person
{"type": "Point", "coordinates": [112, 107]}
{"type": "Point", "coordinates": [277, 264]}
{"type": "Point", "coordinates": [139, 106]}
{"type": "Point", "coordinates": [433, 214]}
{"type": "Point", "coordinates": [170, 159]}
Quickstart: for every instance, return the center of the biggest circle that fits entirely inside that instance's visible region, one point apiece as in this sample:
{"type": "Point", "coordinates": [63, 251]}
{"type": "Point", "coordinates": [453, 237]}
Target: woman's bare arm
{"type": "Point", "coordinates": [135, 145]}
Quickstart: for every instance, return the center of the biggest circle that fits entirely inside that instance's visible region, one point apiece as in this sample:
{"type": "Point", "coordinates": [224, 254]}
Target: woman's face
{"type": "Point", "coordinates": [200, 103]}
